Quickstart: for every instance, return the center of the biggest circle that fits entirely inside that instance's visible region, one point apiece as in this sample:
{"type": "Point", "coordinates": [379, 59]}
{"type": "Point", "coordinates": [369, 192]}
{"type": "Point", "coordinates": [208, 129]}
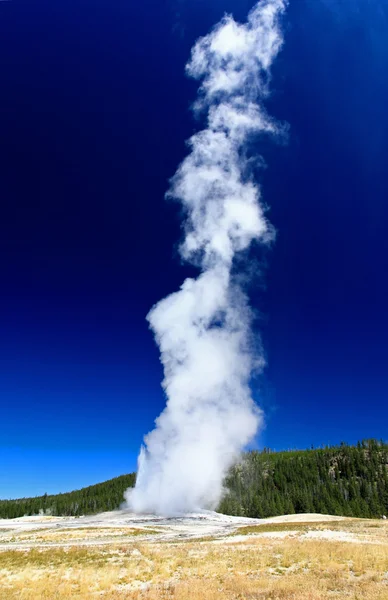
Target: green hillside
{"type": "Point", "coordinates": [342, 480]}
{"type": "Point", "coordinates": [88, 500]}
{"type": "Point", "coordinates": [339, 480]}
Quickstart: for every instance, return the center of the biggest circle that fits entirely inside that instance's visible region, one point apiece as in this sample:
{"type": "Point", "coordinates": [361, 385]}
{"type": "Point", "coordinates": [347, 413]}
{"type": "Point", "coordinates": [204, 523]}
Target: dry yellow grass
{"type": "Point", "coordinates": [73, 535]}
{"type": "Point", "coordinates": [248, 568]}
{"type": "Point", "coordinates": [368, 529]}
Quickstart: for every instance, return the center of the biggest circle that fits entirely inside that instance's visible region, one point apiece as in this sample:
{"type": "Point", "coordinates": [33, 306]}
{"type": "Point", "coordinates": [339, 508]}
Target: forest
{"type": "Point", "coordinates": [339, 480]}
{"type": "Point", "coordinates": [343, 480]}
{"type": "Point", "coordinates": [87, 501]}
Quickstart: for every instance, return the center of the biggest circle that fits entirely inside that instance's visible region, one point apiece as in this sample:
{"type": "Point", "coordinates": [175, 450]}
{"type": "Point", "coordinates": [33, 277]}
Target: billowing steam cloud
{"type": "Point", "coordinates": [203, 330]}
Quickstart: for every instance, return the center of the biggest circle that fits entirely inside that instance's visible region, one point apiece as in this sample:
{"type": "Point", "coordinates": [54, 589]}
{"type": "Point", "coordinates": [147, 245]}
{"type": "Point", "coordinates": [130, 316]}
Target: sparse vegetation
{"type": "Point", "coordinates": [257, 568]}
{"type": "Point", "coordinates": [298, 526]}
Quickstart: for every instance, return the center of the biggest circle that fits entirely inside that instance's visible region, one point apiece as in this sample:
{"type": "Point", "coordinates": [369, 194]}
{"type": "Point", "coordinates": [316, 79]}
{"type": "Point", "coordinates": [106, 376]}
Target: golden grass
{"type": "Point", "coordinates": [363, 529]}
{"type": "Point", "coordinates": [297, 526]}
{"type": "Point", "coordinates": [256, 568]}
{"type": "Point", "coordinates": [36, 536]}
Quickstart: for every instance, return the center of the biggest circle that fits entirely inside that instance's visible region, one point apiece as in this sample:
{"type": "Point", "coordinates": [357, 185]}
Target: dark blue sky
{"type": "Point", "coordinates": [94, 111]}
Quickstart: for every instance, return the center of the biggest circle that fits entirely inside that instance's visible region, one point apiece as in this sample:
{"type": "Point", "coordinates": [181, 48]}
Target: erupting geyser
{"type": "Point", "coordinates": [203, 330]}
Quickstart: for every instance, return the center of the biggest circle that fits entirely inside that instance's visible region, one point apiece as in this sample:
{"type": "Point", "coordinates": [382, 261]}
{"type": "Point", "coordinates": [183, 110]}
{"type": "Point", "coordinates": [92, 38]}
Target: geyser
{"type": "Point", "coordinates": [203, 330]}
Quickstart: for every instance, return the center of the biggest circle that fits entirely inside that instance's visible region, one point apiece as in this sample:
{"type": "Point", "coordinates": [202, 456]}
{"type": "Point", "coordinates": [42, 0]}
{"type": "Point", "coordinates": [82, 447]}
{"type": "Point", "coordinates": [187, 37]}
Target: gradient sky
{"type": "Point", "coordinates": [94, 110]}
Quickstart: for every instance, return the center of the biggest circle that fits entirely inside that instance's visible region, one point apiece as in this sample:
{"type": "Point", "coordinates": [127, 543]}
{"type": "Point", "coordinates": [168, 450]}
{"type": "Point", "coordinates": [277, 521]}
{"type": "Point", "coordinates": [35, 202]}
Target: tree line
{"type": "Point", "coordinates": [87, 501]}
{"type": "Point", "coordinates": [342, 480]}
{"type": "Point", "coordinates": [339, 480]}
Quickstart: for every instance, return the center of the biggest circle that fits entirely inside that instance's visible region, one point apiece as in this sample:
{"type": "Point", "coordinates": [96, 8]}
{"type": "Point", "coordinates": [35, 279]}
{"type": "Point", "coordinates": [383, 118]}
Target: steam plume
{"type": "Point", "coordinates": [203, 330]}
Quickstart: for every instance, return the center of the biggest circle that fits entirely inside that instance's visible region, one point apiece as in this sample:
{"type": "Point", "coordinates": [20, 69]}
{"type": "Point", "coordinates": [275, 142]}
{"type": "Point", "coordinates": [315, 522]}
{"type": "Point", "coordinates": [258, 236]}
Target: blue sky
{"type": "Point", "coordinates": [94, 115]}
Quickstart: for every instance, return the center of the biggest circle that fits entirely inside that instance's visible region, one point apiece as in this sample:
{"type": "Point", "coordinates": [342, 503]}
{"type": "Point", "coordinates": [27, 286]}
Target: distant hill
{"type": "Point", "coordinates": [339, 480]}
{"type": "Point", "coordinates": [89, 500]}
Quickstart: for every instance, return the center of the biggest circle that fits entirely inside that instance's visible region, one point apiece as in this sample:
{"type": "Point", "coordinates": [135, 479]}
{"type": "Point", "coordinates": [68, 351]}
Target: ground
{"type": "Point", "coordinates": [206, 556]}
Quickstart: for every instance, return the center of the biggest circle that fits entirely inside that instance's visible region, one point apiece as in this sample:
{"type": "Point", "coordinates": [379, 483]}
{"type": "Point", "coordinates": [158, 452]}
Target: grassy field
{"type": "Point", "coordinates": [277, 561]}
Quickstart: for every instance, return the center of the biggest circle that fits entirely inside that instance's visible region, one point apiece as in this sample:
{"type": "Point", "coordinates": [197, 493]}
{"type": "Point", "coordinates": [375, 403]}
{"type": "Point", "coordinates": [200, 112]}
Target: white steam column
{"type": "Point", "coordinates": [203, 330]}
